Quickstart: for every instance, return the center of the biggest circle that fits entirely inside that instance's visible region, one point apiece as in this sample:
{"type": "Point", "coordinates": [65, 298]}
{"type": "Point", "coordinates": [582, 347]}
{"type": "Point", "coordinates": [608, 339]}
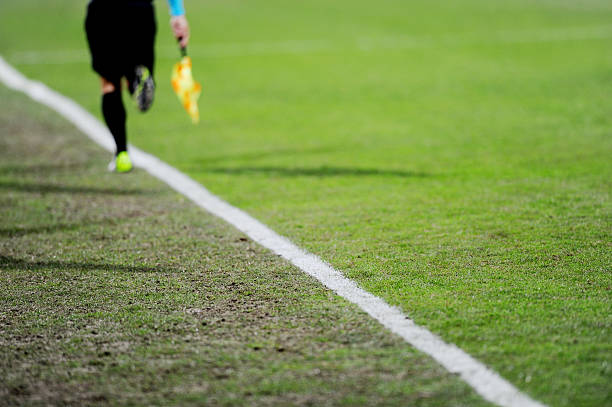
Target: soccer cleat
{"type": "Point", "coordinates": [121, 163]}
{"type": "Point", "coordinates": [143, 88]}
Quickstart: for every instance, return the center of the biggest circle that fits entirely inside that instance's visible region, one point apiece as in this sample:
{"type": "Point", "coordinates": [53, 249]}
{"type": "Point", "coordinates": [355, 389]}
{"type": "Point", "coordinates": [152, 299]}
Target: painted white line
{"type": "Point", "coordinates": [51, 57]}
{"type": "Point", "coordinates": [364, 44]}
{"type": "Point", "coordinates": [486, 382]}
{"type": "Point", "coordinates": [514, 37]}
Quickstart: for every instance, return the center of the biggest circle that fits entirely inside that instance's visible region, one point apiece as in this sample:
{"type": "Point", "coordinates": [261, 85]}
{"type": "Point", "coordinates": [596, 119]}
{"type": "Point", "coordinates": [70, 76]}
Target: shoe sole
{"type": "Point", "coordinates": [145, 89]}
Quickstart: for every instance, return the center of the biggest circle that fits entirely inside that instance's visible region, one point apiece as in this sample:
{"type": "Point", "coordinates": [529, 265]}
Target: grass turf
{"type": "Point", "coordinates": [115, 291]}
{"type": "Point", "coordinates": [451, 158]}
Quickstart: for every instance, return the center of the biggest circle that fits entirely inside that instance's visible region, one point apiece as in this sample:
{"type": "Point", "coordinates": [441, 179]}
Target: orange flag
{"type": "Point", "coordinates": [186, 88]}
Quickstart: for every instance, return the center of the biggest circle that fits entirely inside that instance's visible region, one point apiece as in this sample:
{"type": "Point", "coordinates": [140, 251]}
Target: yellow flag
{"type": "Point", "coordinates": [187, 89]}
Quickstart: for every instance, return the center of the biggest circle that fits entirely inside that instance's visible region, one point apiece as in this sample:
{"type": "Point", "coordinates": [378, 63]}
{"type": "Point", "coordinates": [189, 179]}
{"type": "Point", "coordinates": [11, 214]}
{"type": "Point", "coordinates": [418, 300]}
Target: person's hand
{"type": "Point", "coordinates": [180, 28]}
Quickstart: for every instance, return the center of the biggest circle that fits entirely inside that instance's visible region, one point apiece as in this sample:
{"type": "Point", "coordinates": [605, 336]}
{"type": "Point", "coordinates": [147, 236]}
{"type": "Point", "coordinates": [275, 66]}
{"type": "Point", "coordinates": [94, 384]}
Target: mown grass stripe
{"type": "Point", "coordinates": [364, 44]}
{"type": "Point", "coordinates": [486, 382]}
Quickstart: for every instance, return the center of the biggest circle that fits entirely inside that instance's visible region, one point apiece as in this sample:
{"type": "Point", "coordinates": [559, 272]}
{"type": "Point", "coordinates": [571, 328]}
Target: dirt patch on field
{"type": "Point", "coordinates": [115, 290]}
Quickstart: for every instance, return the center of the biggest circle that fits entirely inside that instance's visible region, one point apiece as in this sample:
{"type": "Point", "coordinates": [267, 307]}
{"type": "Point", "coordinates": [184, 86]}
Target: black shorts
{"type": "Point", "coordinates": [121, 36]}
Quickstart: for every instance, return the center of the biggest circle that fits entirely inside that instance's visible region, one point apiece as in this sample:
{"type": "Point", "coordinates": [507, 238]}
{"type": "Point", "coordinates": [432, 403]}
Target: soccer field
{"type": "Point", "coordinates": [452, 158]}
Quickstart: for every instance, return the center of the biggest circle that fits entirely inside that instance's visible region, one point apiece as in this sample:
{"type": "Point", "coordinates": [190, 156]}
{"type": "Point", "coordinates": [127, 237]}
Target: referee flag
{"type": "Point", "coordinates": [186, 88]}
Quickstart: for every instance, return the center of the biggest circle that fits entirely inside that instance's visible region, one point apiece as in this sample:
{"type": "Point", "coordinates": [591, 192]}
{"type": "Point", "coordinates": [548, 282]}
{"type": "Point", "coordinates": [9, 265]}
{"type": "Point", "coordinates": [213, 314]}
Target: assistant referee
{"type": "Point", "coordinates": [121, 38]}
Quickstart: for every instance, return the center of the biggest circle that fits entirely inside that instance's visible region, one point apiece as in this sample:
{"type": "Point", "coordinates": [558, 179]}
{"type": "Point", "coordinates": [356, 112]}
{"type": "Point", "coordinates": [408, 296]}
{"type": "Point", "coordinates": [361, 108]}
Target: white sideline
{"type": "Point", "coordinates": [486, 382]}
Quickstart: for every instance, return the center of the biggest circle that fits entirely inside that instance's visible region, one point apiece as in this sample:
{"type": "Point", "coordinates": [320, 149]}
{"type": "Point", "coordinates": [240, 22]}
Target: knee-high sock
{"type": "Point", "coordinates": [114, 115]}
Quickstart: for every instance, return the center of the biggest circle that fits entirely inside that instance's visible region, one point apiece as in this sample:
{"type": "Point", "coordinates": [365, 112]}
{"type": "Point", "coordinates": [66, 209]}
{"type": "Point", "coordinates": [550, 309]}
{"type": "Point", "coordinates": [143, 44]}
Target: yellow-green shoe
{"type": "Point", "coordinates": [121, 163]}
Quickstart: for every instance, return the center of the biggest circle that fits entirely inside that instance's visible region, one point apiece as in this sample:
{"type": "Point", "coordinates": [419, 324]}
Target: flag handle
{"type": "Point", "coordinates": [183, 49]}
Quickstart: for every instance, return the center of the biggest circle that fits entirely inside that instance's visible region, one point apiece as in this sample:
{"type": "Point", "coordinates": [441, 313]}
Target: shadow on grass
{"type": "Point", "coordinates": [316, 172]}
{"type": "Point", "coordinates": [18, 231]}
{"type": "Point", "coordinates": [43, 188]}
{"type": "Point", "coordinates": [11, 263]}
{"type": "Point", "coordinates": [43, 168]}
{"type": "Point", "coordinates": [21, 231]}
{"type": "Point", "coordinates": [256, 155]}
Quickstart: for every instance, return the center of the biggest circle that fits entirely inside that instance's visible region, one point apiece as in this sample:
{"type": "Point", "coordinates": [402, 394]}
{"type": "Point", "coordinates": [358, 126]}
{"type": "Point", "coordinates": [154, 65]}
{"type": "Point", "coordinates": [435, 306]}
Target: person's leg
{"type": "Point", "coordinates": [108, 47]}
{"type": "Point", "coordinates": [114, 112]}
{"type": "Point", "coordinates": [114, 115]}
{"type": "Point", "coordinates": [141, 57]}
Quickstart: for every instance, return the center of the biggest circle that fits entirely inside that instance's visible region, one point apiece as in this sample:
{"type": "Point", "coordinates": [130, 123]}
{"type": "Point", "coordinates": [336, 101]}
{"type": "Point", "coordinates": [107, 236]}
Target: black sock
{"type": "Point", "coordinates": [114, 115]}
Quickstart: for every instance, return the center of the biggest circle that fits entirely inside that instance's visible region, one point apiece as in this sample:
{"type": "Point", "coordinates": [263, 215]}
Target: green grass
{"type": "Point", "coordinates": [116, 291]}
{"type": "Point", "coordinates": [452, 158]}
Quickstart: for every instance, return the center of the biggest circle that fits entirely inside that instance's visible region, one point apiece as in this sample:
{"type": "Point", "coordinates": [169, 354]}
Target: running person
{"type": "Point", "coordinates": [121, 38]}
